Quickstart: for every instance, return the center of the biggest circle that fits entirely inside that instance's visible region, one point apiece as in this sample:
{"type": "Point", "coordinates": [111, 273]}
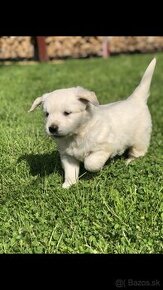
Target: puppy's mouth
{"type": "Point", "coordinates": [55, 135]}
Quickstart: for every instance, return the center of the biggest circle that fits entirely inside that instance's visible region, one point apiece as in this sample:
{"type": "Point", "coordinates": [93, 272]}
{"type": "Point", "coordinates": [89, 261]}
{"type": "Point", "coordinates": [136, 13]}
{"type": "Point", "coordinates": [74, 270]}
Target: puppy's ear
{"type": "Point", "coordinates": [87, 96]}
{"type": "Point", "coordinates": [36, 103]}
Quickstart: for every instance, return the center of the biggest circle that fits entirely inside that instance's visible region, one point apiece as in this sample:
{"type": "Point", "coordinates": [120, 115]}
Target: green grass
{"type": "Point", "coordinates": [117, 210]}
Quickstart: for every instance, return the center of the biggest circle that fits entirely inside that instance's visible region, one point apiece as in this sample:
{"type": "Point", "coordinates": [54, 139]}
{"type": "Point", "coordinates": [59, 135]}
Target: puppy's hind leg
{"type": "Point", "coordinates": [71, 170]}
{"type": "Point", "coordinates": [141, 144]}
{"type": "Point", "coordinates": [135, 152]}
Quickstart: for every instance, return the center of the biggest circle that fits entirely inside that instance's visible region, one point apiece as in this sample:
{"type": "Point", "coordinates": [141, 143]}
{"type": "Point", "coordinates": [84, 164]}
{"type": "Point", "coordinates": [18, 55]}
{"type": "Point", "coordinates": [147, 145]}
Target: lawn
{"type": "Point", "coordinates": [118, 210]}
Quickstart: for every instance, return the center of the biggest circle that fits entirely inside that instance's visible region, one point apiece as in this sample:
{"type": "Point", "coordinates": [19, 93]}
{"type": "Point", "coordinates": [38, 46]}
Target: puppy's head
{"type": "Point", "coordinates": [66, 110]}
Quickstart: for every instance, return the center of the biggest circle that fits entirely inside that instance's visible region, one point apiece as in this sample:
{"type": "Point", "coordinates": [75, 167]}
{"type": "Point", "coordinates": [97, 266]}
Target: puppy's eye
{"type": "Point", "coordinates": [46, 114]}
{"type": "Point", "coordinates": [67, 113]}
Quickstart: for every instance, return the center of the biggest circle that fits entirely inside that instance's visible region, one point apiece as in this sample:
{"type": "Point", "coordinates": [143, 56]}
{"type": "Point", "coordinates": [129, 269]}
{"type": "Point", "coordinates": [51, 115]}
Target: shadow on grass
{"type": "Point", "coordinates": [46, 164]}
{"type": "Point", "coordinates": [43, 164]}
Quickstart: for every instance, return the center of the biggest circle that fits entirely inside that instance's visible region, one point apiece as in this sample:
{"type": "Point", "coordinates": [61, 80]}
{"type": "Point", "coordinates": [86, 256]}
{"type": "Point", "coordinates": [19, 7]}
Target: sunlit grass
{"type": "Point", "coordinates": [117, 210]}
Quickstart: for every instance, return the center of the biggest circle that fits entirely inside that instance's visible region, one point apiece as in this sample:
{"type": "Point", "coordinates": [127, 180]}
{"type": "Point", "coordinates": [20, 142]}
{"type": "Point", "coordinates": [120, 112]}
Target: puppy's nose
{"type": "Point", "coordinates": [53, 129]}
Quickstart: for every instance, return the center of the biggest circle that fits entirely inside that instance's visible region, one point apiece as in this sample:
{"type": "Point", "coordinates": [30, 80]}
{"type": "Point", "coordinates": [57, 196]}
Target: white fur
{"type": "Point", "coordinates": [92, 133]}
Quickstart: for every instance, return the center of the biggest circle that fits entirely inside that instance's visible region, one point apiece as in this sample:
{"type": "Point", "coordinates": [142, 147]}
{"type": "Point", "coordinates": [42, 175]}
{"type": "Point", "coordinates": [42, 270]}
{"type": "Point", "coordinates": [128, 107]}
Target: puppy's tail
{"type": "Point", "coordinates": [142, 91]}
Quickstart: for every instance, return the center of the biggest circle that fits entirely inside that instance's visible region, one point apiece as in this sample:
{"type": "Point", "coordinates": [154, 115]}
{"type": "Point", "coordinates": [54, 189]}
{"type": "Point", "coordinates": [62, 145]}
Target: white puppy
{"type": "Point", "coordinates": [91, 133]}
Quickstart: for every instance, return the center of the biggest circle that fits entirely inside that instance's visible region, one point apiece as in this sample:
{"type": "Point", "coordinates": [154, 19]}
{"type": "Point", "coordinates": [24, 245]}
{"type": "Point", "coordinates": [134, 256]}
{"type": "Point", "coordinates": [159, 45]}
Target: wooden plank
{"type": "Point", "coordinates": [105, 47]}
{"type": "Point", "coordinates": [40, 49]}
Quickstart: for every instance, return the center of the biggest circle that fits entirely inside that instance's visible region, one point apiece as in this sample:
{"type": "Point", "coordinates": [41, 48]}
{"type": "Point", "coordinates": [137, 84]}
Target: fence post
{"type": "Point", "coordinates": [106, 47]}
{"type": "Point", "coordinates": [40, 48]}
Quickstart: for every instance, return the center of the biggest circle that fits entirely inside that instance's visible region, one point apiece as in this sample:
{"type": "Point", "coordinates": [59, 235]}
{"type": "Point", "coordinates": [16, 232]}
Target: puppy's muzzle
{"type": "Point", "coordinates": [53, 129]}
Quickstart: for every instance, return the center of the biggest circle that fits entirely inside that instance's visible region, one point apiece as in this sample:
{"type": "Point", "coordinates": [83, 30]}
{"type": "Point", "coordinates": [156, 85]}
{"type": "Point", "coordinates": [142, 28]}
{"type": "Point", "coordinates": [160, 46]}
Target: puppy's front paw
{"type": "Point", "coordinates": [66, 184]}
